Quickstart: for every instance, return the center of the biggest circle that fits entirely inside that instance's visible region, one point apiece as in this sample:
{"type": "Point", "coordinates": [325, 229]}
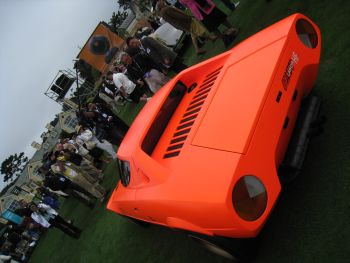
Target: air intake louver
{"type": "Point", "coordinates": [190, 115]}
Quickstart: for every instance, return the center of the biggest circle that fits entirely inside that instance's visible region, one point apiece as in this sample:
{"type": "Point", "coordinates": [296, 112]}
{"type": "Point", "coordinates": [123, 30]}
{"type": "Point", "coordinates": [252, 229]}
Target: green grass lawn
{"type": "Point", "coordinates": [311, 220]}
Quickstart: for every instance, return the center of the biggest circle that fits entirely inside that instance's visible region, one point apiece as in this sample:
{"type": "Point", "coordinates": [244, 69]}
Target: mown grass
{"type": "Point", "coordinates": [311, 220]}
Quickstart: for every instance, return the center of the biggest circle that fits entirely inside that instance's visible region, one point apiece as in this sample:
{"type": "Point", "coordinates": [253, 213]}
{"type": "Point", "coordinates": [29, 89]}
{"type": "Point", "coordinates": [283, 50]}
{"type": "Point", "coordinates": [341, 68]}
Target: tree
{"type": "Point", "coordinates": [116, 20]}
{"type": "Point", "coordinates": [13, 166]}
{"type": "Point", "coordinates": [125, 4]}
{"type": "Point", "coordinates": [84, 70]}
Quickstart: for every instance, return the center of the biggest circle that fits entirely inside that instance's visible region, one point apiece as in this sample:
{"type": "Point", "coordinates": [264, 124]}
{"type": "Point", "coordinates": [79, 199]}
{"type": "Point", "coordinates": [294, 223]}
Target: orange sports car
{"type": "Point", "coordinates": [208, 153]}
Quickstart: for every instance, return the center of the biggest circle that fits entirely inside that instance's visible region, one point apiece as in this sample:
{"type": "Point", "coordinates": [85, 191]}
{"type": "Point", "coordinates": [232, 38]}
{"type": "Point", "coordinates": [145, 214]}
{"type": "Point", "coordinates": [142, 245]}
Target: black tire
{"type": "Point", "coordinates": [139, 222]}
{"type": "Point", "coordinates": [238, 250]}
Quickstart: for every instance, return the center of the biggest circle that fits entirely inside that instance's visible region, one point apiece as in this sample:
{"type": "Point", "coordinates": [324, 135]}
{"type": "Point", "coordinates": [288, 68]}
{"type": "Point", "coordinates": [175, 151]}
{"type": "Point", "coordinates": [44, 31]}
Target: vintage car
{"type": "Point", "coordinates": [208, 153]}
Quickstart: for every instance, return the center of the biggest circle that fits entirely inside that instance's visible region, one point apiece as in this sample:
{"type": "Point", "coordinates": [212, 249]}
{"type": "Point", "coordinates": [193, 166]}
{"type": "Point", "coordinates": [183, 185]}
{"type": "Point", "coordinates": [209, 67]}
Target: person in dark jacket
{"type": "Point", "coordinates": [140, 68]}
{"type": "Point", "coordinates": [105, 124]}
{"type": "Point", "coordinates": [161, 55]}
{"type": "Point", "coordinates": [57, 182]}
{"type": "Point", "coordinates": [104, 118]}
{"type": "Point", "coordinates": [137, 66]}
{"type": "Point", "coordinates": [23, 210]}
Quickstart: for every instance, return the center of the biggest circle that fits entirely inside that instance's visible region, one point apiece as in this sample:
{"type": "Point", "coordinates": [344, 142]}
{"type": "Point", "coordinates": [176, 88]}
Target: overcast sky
{"type": "Point", "coordinates": [38, 38]}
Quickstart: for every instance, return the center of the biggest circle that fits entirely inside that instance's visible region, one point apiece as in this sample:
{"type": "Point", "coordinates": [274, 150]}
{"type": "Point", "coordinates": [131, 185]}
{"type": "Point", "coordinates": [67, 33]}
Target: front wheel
{"type": "Point", "coordinates": [230, 248]}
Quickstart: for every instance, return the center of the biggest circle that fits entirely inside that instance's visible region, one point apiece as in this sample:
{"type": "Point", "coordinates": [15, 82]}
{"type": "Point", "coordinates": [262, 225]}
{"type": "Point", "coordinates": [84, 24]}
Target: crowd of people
{"type": "Point", "coordinates": [74, 167]}
{"type": "Point", "coordinates": [143, 67]}
{"type": "Point", "coordinates": [202, 24]}
{"type": "Point", "coordinates": [71, 170]}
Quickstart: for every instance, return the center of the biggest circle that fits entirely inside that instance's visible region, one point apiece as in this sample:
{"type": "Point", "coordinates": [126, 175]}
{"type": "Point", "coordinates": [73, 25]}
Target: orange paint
{"type": "Point", "coordinates": [230, 125]}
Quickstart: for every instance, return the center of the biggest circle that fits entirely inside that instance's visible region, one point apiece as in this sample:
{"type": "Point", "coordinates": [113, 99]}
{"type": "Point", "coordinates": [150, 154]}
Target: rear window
{"type": "Point", "coordinates": [163, 117]}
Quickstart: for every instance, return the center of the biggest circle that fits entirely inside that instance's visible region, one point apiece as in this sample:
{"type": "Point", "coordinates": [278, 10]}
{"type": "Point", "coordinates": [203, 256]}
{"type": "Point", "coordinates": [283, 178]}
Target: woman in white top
{"type": "Point", "coordinates": [128, 88]}
{"type": "Point", "coordinates": [86, 137]}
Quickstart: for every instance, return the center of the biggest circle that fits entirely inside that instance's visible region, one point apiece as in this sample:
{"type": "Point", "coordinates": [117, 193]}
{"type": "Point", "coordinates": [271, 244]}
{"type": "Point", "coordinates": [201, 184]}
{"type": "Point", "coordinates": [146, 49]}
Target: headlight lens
{"type": "Point", "coordinates": [124, 170]}
{"type": "Point", "coordinates": [306, 33]}
{"type": "Point", "coordinates": [249, 198]}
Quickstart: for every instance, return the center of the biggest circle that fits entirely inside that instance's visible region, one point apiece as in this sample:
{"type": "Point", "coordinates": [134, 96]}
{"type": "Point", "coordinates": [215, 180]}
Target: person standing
{"type": "Point", "coordinates": [128, 88]}
{"type": "Point", "coordinates": [86, 137]}
{"type": "Point", "coordinates": [142, 70]}
{"type": "Point", "coordinates": [80, 178]}
{"type": "Point", "coordinates": [106, 127]}
{"type": "Point", "coordinates": [105, 114]}
{"type": "Point", "coordinates": [69, 151]}
{"type": "Point", "coordinates": [47, 217]}
{"type": "Point", "coordinates": [163, 56]}
{"type": "Point", "coordinates": [182, 21]}
{"type": "Point", "coordinates": [211, 17]}
{"type": "Point", "coordinates": [58, 182]}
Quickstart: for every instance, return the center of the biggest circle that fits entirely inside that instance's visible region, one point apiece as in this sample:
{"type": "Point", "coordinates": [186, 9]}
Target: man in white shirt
{"type": "Point", "coordinates": [46, 216]}
{"type": "Point", "coordinates": [128, 88]}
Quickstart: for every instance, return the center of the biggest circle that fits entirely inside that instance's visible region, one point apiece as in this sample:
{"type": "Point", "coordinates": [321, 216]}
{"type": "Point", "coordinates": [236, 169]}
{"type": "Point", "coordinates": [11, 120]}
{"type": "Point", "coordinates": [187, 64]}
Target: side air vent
{"type": "Point", "coordinates": [162, 119]}
{"type": "Point", "coordinates": [190, 115]}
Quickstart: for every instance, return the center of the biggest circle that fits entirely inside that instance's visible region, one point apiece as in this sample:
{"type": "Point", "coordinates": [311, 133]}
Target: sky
{"type": "Point", "coordinates": [38, 38]}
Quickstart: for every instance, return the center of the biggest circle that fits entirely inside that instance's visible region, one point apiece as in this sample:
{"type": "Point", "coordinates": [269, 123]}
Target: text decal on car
{"type": "Point", "coordinates": [289, 70]}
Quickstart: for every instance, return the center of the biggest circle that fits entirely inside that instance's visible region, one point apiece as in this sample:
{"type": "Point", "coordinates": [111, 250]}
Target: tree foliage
{"type": "Point", "coordinates": [13, 166]}
{"type": "Point", "coordinates": [116, 20]}
{"type": "Point", "coordinates": [84, 70]}
{"type": "Point", "coordinates": [124, 4]}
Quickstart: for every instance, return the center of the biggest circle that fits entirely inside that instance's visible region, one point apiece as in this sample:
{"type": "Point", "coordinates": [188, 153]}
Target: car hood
{"type": "Point", "coordinates": [234, 111]}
